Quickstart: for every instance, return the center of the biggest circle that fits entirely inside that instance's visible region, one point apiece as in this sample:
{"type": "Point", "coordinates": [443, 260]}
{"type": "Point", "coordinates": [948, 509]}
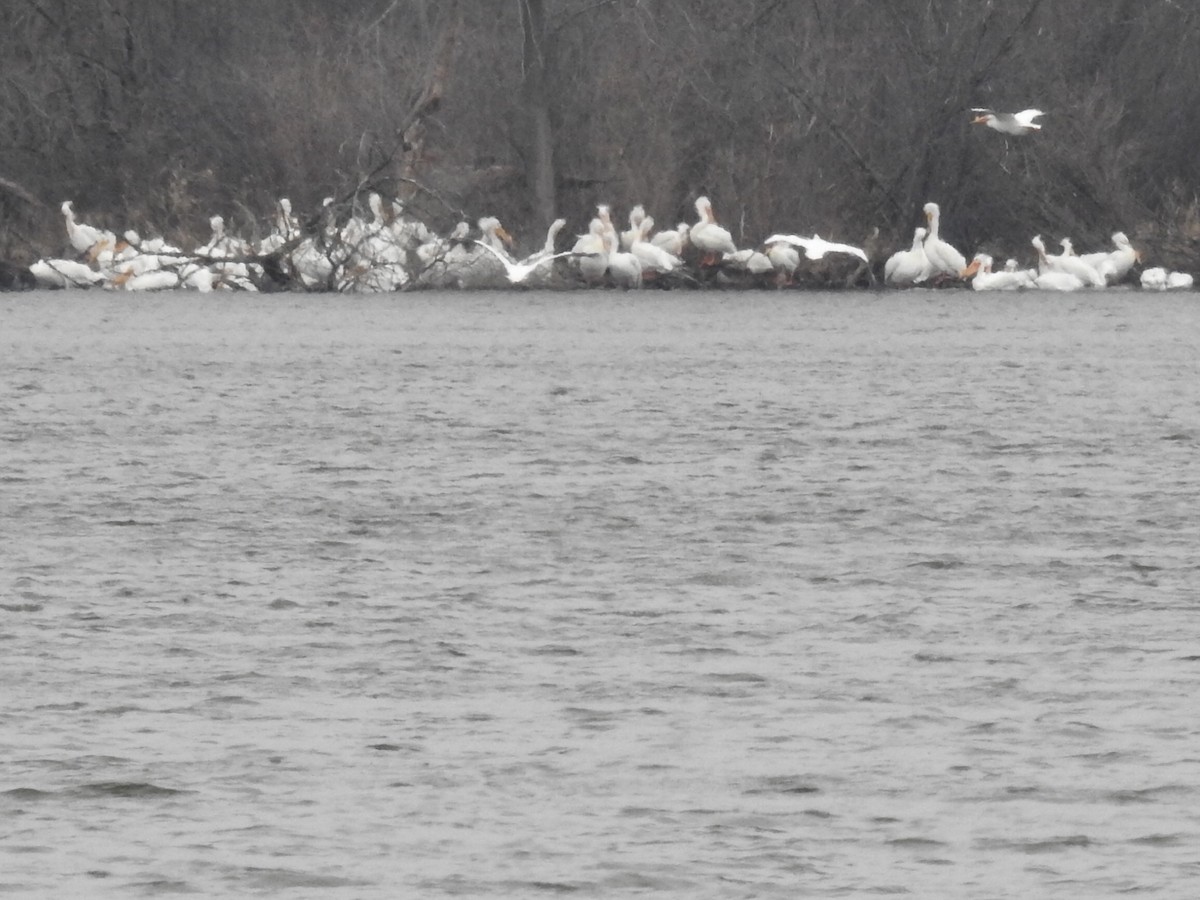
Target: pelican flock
{"type": "Point", "coordinates": [388, 250]}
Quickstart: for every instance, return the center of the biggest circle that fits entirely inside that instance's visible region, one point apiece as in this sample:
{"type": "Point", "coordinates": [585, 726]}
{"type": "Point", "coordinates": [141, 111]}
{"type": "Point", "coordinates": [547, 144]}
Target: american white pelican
{"type": "Point", "coordinates": [285, 228]}
{"type": "Point", "coordinates": [197, 277]}
{"type": "Point", "coordinates": [707, 236]}
{"type": "Point", "coordinates": [155, 280]}
{"type": "Point", "coordinates": [1054, 280]}
{"type": "Point", "coordinates": [1008, 123]}
{"type": "Point", "coordinates": [1159, 279]}
{"type": "Point", "coordinates": [785, 259]}
{"type": "Point", "coordinates": [816, 247]}
{"type": "Point", "coordinates": [749, 260]}
{"type": "Point", "coordinates": [984, 279]}
{"type": "Point", "coordinates": [1179, 281]}
{"type": "Point", "coordinates": [494, 234]}
{"type": "Point", "coordinates": [636, 216]}
{"type": "Point", "coordinates": [1121, 259]}
{"type": "Point", "coordinates": [911, 266]}
{"type": "Point", "coordinates": [654, 258]}
{"type": "Point", "coordinates": [1154, 278]}
{"type": "Point", "coordinates": [86, 238]}
{"type": "Point", "coordinates": [625, 269]}
{"type": "Point", "coordinates": [1066, 262]}
{"type": "Point", "coordinates": [517, 272]}
{"type": "Point", "coordinates": [591, 251]}
{"type": "Point", "coordinates": [64, 273]}
{"type": "Point", "coordinates": [673, 240]}
{"type": "Point", "coordinates": [220, 245]}
{"type": "Point", "coordinates": [944, 258]}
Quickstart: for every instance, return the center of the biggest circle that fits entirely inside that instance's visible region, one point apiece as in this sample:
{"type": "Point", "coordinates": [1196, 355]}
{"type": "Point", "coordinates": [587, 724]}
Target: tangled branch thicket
{"type": "Point", "coordinates": [834, 116]}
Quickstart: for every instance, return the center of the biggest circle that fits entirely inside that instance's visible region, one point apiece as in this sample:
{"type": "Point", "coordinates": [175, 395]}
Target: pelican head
{"type": "Point", "coordinates": [981, 262]}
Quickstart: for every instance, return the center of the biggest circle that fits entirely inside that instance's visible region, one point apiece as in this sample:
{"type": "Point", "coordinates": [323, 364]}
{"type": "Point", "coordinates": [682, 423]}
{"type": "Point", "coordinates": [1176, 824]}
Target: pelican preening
{"type": "Point", "coordinates": [707, 236]}
{"type": "Point", "coordinates": [1008, 123]}
{"type": "Point", "coordinates": [909, 267]}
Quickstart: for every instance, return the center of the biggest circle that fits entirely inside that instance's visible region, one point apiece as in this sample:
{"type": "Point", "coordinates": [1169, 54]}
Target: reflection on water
{"type": "Point", "coordinates": [510, 595]}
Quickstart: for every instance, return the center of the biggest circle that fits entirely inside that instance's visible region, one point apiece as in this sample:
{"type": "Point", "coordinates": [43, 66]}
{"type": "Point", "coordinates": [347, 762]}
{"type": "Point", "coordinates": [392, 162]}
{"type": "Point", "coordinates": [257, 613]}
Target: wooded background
{"type": "Point", "coordinates": [833, 116]}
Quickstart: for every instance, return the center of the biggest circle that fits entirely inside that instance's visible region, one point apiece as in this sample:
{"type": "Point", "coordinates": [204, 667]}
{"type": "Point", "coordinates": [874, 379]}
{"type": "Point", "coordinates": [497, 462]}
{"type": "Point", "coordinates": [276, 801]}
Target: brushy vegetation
{"type": "Point", "coordinates": [834, 116]}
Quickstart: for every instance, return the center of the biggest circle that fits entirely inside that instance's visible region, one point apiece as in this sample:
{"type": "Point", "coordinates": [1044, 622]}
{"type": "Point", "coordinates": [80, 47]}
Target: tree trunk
{"type": "Point", "coordinates": [539, 162]}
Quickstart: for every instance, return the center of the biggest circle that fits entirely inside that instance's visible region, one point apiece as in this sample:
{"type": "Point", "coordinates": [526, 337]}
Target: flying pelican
{"type": "Point", "coordinates": [1008, 123]}
{"type": "Point", "coordinates": [944, 258]}
{"type": "Point", "coordinates": [816, 246]}
{"type": "Point", "coordinates": [517, 272]}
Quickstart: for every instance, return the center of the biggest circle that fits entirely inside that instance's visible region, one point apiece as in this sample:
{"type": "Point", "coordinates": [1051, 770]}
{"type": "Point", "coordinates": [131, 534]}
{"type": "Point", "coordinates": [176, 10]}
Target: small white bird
{"type": "Point", "coordinates": [816, 246]}
{"type": "Point", "coordinates": [1008, 123]}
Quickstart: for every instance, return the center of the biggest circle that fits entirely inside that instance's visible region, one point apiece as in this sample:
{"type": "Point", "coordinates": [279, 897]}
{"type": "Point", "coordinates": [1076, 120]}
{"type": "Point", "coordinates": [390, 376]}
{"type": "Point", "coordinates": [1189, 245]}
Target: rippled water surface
{"type": "Point", "coordinates": [662, 594]}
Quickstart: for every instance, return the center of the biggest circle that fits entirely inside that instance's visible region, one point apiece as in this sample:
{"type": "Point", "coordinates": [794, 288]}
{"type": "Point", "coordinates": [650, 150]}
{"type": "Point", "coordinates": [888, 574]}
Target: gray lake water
{"type": "Point", "coordinates": [512, 595]}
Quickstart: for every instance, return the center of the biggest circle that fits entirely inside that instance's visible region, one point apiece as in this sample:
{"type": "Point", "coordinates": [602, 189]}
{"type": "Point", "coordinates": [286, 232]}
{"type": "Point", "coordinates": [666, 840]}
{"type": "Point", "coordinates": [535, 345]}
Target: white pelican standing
{"type": "Point", "coordinates": [785, 259]}
{"type": "Point", "coordinates": [911, 266]}
{"type": "Point", "coordinates": [592, 252]}
{"type": "Point", "coordinates": [707, 236]}
{"type": "Point", "coordinates": [636, 216]}
{"type": "Point", "coordinates": [944, 258]}
{"type": "Point", "coordinates": [625, 269]}
{"type": "Point", "coordinates": [1008, 123]}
